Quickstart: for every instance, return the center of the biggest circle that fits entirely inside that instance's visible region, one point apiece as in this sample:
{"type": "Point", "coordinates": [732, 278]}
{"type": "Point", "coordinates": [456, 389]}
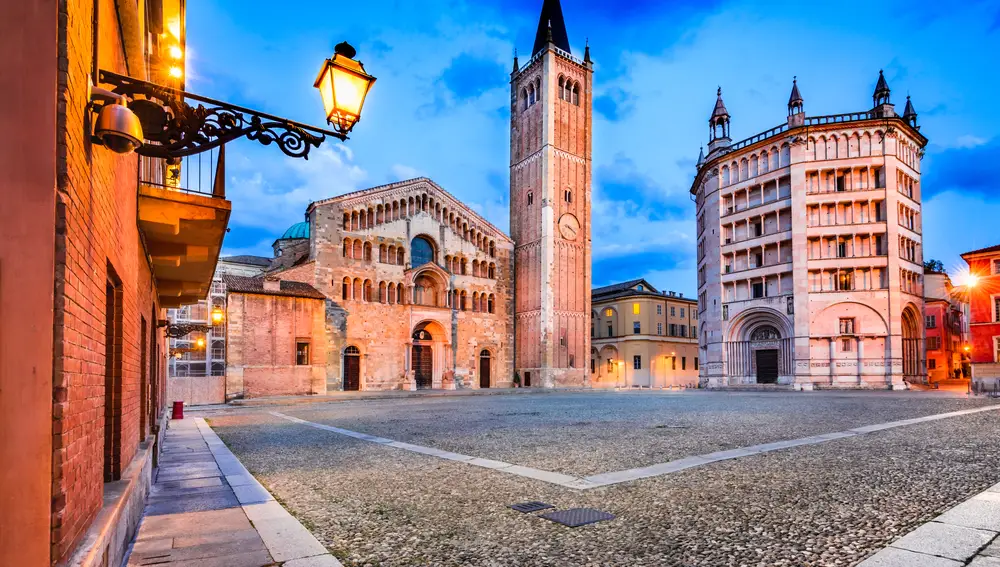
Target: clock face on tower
{"type": "Point", "coordinates": [569, 227]}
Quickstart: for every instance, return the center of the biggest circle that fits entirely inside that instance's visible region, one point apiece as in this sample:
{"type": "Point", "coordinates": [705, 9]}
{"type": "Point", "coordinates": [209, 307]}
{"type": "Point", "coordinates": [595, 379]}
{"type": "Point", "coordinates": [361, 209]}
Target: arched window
{"type": "Point", "coordinates": [421, 251]}
{"type": "Point", "coordinates": [568, 195]}
{"type": "Point", "coordinates": [381, 253]}
{"type": "Point", "coordinates": [368, 291]}
{"type": "Point", "coordinates": [368, 252]}
{"type": "Point", "coordinates": [491, 304]}
{"type": "Point", "coordinates": [356, 295]}
{"type": "Point", "coordinates": [464, 264]}
{"type": "Point", "coordinates": [493, 249]}
{"type": "Point", "coordinates": [382, 295]}
{"type": "Point", "coordinates": [475, 301]}
{"type": "Point", "coordinates": [347, 248]}
{"type": "Point", "coordinates": [400, 257]}
{"type": "Point", "coordinates": [475, 268]}
{"type": "Point", "coordinates": [345, 292]}
{"type": "Point", "coordinates": [576, 94]}
{"type": "Point", "coordinates": [531, 95]}
{"type": "Point", "coordinates": [493, 272]}
{"type": "Point", "coordinates": [347, 221]}
{"type": "Point", "coordinates": [524, 99]}
{"type": "Point", "coordinates": [463, 300]}
{"type": "Point", "coordinates": [357, 254]}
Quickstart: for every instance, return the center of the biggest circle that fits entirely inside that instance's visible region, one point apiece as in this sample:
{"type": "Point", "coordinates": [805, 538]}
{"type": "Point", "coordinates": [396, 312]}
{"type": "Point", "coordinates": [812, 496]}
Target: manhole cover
{"type": "Point", "coordinates": [527, 507]}
{"type": "Point", "coordinates": [577, 517]}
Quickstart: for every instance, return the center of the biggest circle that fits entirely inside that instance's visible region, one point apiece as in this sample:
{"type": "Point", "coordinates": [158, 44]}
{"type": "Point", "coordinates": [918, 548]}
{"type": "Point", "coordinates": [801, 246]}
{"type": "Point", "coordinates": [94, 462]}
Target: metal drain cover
{"type": "Point", "coordinates": [577, 517]}
{"type": "Point", "coordinates": [527, 507]}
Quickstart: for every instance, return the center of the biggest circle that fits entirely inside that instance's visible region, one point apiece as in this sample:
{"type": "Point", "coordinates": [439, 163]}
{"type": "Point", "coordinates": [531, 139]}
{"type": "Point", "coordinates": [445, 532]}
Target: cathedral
{"type": "Point", "coordinates": [419, 291]}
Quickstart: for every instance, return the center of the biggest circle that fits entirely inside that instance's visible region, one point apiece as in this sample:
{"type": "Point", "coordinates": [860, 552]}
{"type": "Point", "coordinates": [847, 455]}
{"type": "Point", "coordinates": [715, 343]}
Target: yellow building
{"type": "Point", "coordinates": [642, 337]}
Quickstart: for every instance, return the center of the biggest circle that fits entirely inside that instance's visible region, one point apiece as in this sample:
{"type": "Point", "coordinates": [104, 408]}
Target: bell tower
{"type": "Point", "coordinates": [550, 175]}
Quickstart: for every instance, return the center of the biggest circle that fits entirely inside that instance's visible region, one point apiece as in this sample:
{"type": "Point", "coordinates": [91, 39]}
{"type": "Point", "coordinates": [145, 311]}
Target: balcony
{"type": "Point", "coordinates": [183, 215]}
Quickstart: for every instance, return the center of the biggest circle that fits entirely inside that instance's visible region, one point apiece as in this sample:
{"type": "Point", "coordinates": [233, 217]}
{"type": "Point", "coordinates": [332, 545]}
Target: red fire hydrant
{"type": "Point", "coordinates": [178, 411]}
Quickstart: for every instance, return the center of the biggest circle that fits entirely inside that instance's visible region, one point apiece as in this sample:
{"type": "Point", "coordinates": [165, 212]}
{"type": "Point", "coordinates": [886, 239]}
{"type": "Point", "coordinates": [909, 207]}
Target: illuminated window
{"type": "Point", "coordinates": [302, 353]}
{"type": "Point", "coordinates": [635, 308]}
{"type": "Point", "coordinates": [608, 312]}
{"type": "Point", "coordinates": [637, 362]}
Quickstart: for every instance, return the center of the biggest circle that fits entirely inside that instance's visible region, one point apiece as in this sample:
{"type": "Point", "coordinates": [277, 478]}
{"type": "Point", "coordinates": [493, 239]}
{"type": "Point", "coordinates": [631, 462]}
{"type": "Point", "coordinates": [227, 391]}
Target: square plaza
{"type": "Point", "coordinates": [730, 478]}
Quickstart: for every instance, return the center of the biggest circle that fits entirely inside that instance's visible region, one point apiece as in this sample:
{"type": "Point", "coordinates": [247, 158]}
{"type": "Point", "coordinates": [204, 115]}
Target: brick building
{"type": "Point", "coordinates": [983, 290]}
{"type": "Point", "coordinates": [943, 324]}
{"type": "Point", "coordinates": [93, 246]}
{"type": "Point", "coordinates": [643, 337]}
{"type": "Point", "coordinates": [550, 176]}
{"type": "Point", "coordinates": [277, 330]}
{"type": "Point", "coordinates": [809, 249]}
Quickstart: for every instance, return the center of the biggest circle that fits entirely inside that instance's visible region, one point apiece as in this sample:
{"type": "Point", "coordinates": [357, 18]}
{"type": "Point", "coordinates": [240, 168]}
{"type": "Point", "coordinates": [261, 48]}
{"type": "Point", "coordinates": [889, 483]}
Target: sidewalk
{"type": "Point", "coordinates": [332, 397]}
{"type": "Point", "coordinates": [206, 509]}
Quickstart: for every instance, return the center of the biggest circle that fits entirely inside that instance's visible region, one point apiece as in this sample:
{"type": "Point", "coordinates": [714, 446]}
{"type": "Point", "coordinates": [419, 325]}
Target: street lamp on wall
{"type": "Point", "coordinates": [217, 315]}
{"type": "Point", "coordinates": [156, 121]}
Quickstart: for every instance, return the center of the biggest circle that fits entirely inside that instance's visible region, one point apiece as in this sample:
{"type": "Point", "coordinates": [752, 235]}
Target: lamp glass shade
{"type": "Point", "coordinates": [217, 315]}
{"type": "Point", "coordinates": [343, 84]}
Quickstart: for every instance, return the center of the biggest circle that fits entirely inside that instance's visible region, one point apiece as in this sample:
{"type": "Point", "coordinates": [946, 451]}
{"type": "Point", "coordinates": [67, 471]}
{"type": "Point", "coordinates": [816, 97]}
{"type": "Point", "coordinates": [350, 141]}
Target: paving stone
{"type": "Point", "coordinates": [528, 472]}
{"type": "Point", "coordinates": [192, 503]}
{"type": "Point", "coordinates": [252, 494]}
{"type": "Point", "coordinates": [983, 561]}
{"type": "Point", "coordinates": [190, 483]}
{"type": "Point", "coordinates": [993, 549]}
{"type": "Point", "coordinates": [243, 559]}
{"type": "Point", "coordinates": [248, 535]}
{"type": "Point", "coordinates": [982, 512]}
{"type": "Point", "coordinates": [953, 542]}
{"type": "Point", "coordinates": [287, 539]}
{"type": "Point", "coordinates": [193, 523]}
{"type": "Point", "coordinates": [488, 463]}
{"type": "Point", "coordinates": [892, 557]}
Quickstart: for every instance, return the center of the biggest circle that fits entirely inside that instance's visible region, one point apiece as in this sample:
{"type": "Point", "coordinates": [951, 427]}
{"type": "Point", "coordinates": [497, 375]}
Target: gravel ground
{"type": "Point", "coordinates": [822, 505]}
{"type": "Point", "coordinates": [584, 434]}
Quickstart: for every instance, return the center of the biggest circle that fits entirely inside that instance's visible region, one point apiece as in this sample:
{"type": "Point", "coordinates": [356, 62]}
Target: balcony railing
{"type": "Point", "coordinates": [838, 118]}
{"type": "Point", "coordinates": [200, 174]}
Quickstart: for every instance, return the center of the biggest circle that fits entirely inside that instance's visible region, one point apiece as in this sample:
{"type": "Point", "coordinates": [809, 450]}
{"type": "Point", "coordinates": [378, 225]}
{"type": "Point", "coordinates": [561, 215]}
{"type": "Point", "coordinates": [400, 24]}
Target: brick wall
{"type": "Point", "coordinates": [96, 233]}
{"type": "Point", "coordinates": [262, 331]}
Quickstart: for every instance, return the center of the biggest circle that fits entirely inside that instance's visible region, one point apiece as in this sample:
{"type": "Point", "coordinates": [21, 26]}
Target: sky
{"type": "Point", "coordinates": [440, 107]}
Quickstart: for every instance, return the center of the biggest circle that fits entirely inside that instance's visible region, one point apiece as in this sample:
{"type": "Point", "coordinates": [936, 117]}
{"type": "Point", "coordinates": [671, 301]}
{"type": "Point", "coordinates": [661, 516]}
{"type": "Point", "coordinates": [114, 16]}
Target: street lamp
{"type": "Point", "coordinates": [200, 343]}
{"type": "Point", "coordinates": [217, 315]}
{"type": "Point", "coordinates": [343, 84]}
{"type": "Point", "coordinates": [157, 121]}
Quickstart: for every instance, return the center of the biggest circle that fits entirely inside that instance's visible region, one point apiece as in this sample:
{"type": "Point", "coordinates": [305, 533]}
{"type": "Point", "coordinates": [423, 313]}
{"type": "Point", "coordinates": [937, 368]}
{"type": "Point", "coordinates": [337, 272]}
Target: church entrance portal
{"type": "Point", "coordinates": [423, 359]}
{"type": "Point", "coordinates": [767, 366]}
{"type": "Point", "coordinates": [484, 369]}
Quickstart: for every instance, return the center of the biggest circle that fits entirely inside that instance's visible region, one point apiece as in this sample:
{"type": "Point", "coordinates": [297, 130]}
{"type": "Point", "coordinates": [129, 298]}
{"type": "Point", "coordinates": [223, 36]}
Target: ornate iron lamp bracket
{"type": "Point", "coordinates": [172, 128]}
{"type": "Point", "coordinates": [178, 330]}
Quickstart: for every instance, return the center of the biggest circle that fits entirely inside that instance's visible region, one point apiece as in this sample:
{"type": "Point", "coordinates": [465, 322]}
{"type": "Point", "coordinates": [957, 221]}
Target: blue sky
{"type": "Point", "coordinates": [440, 106]}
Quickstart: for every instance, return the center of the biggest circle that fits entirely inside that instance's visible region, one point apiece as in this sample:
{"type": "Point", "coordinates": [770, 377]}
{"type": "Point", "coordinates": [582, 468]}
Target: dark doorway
{"type": "Point", "coordinates": [767, 366]}
{"type": "Point", "coordinates": [352, 369]}
{"type": "Point", "coordinates": [484, 369]}
{"type": "Point", "coordinates": [527, 379]}
{"type": "Point", "coordinates": [423, 366]}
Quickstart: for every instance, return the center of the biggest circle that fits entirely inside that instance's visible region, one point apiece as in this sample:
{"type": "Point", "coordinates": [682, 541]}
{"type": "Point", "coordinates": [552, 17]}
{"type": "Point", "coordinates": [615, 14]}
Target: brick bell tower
{"type": "Point", "coordinates": [550, 160]}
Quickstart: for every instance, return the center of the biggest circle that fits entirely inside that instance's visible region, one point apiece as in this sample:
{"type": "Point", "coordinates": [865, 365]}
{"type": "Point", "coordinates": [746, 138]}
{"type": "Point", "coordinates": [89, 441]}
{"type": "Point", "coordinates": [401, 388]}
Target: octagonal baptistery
{"type": "Point", "coordinates": [809, 250]}
{"type": "Point", "coordinates": [421, 289]}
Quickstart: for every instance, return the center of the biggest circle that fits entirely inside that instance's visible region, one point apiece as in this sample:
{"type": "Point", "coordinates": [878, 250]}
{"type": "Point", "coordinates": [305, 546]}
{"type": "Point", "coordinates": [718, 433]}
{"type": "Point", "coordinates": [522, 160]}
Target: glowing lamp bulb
{"type": "Point", "coordinates": [176, 52]}
{"type": "Point", "coordinates": [176, 72]}
{"type": "Point", "coordinates": [217, 315]}
{"type": "Point", "coordinates": [200, 342]}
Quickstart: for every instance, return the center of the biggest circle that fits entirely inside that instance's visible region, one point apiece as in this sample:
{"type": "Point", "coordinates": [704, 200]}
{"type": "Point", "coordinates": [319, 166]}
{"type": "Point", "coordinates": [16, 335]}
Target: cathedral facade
{"type": "Point", "coordinates": [422, 292]}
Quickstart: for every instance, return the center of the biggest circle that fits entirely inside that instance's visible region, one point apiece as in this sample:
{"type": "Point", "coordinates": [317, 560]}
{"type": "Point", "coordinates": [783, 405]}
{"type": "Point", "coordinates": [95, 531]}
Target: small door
{"type": "Point", "coordinates": [484, 369]}
{"type": "Point", "coordinates": [423, 366]}
{"type": "Point", "coordinates": [352, 369]}
{"type": "Point", "coordinates": [527, 379]}
{"type": "Point", "coordinates": [767, 366]}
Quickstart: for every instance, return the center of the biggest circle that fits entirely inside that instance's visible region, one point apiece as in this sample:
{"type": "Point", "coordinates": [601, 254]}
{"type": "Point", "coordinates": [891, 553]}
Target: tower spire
{"type": "Point", "coordinates": [551, 28]}
{"type": "Point", "coordinates": [882, 91]}
{"type": "Point", "coordinates": [909, 114]}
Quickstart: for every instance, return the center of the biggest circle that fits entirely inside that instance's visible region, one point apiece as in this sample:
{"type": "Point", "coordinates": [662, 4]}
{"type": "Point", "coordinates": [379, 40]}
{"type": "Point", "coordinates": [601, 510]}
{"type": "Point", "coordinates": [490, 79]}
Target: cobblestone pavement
{"type": "Point", "coordinates": [821, 505]}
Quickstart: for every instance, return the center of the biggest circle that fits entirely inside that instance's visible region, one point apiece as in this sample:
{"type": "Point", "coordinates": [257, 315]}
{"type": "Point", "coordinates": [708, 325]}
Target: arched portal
{"type": "Point", "coordinates": [352, 369]}
{"type": "Point", "coordinates": [911, 343]}
{"type": "Point", "coordinates": [759, 347]}
{"type": "Point", "coordinates": [485, 367]}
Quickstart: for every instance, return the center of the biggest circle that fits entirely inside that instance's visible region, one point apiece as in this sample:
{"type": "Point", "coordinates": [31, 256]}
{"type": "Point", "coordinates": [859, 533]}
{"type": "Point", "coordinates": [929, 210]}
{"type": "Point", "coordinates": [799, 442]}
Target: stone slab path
{"type": "Point", "coordinates": [205, 509]}
{"type": "Point", "coordinates": [966, 535]}
{"type": "Point", "coordinates": [629, 475]}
